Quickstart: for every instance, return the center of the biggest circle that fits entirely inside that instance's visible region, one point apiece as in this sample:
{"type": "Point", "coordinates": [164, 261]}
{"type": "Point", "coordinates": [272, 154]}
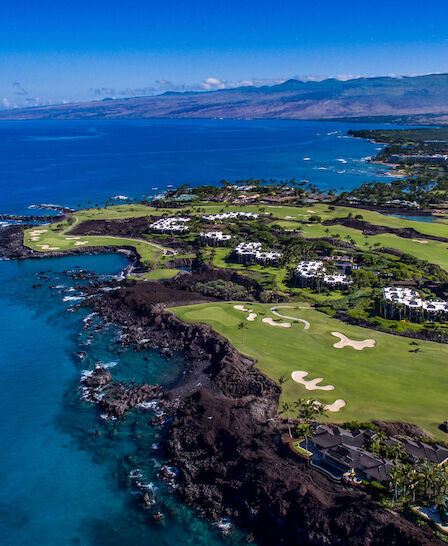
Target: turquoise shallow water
{"type": "Point", "coordinates": [60, 482]}
{"type": "Point", "coordinates": [63, 470]}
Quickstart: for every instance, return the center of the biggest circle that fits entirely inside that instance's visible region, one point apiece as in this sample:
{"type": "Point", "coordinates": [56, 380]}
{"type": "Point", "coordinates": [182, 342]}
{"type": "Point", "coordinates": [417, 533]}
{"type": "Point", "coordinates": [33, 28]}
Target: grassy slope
{"type": "Point", "coordinates": [386, 382]}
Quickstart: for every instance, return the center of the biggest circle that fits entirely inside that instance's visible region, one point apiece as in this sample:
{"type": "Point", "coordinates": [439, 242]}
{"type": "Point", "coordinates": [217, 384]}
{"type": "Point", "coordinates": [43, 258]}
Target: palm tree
{"type": "Point", "coordinates": [242, 326]}
{"type": "Point", "coordinates": [304, 430]}
{"type": "Point", "coordinates": [286, 408]}
{"type": "Point", "coordinates": [395, 479]}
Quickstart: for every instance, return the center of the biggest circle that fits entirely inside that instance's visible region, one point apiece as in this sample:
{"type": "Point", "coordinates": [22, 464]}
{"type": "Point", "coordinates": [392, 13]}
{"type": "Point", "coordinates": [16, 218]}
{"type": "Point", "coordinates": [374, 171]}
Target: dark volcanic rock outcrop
{"type": "Point", "coordinates": [127, 227]}
{"type": "Point", "coordinates": [116, 399]}
{"type": "Point", "coordinates": [225, 440]}
{"type": "Point", "coordinates": [373, 229]}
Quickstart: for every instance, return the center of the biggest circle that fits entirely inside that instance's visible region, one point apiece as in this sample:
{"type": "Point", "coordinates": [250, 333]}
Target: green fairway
{"type": "Point", "coordinates": [398, 379]}
{"type": "Point", "coordinates": [158, 274]}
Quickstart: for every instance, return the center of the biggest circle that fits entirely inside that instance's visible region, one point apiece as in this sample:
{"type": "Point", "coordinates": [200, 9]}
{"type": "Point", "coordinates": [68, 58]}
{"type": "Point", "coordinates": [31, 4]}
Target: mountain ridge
{"type": "Point", "coordinates": [292, 99]}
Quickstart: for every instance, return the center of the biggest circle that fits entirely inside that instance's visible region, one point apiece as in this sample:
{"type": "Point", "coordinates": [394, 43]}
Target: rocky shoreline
{"type": "Point", "coordinates": [225, 438]}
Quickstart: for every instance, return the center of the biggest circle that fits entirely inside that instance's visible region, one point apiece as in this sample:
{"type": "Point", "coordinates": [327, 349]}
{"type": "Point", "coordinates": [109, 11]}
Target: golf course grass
{"type": "Point", "coordinates": [397, 380]}
{"type": "Point", "coordinates": [291, 218]}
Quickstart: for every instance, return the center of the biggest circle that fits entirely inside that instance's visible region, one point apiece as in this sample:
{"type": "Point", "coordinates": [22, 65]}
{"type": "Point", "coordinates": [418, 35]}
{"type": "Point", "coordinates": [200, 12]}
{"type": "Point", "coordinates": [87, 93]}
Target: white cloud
{"type": "Point", "coordinates": [212, 84]}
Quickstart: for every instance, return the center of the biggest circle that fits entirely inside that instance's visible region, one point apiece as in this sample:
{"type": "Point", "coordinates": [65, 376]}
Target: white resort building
{"type": "Point", "coordinates": [251, 252]}
{"type": "Point", "coordinates": [214, 238]}
{"type": "Point", "coordinates": [399, 303]}
{"type": "Point", "coordinates": [175, 224]}
{"type": "Point", "coordinates": [313, 273]}
{"type": "Point", "coordinates": [230, 216]}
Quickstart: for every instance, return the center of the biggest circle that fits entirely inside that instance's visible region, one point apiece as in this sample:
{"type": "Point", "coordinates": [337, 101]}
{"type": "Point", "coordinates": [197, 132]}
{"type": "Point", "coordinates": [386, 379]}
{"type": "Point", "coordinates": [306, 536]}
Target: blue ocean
{"type": "Point", "coordinates": [65, 473]}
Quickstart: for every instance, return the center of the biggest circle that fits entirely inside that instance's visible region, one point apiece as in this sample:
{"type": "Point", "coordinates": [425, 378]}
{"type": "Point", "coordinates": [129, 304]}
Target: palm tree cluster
{"type": "Point", "coordinates": [425, 481]}
{"type": "Point", "coordinates": [308, 412]}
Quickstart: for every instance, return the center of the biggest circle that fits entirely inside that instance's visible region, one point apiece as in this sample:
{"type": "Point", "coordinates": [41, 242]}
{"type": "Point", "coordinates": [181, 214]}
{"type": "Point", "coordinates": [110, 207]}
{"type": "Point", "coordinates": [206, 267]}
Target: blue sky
{"type": "Point", "coordinates": [52, 52]}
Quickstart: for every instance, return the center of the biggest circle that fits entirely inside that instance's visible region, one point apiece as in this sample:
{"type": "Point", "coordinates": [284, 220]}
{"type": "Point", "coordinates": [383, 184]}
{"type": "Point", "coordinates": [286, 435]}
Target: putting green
{"type": "Point", "coordinates": [396, 380]}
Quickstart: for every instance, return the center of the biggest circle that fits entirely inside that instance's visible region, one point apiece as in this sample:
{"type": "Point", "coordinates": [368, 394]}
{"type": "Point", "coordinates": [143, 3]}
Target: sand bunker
{"type": "Point", "coordinates": [79, 243]}
{"type": "Point", "coordinates": [312, 211]}
{"type": "Point", "coordinates": [242, 308]}
{"type": "Point", "coordinates": [35, 238]}
{"type": "Point", "coordinates": [252, 316]}
{"type": "Point", "coordinates": [48, 247]}
{"type": "Point", "coordinates": [311, 385]}
{"type": "Point", "coordinates": [421, 241]}
{"type": "Point", "coordinates": [347, 342]}
{"type": "Point", "coordinates": [37, 232]}
{"type": "Point", "coordinates": [289, 217]}
{"type": "Point", "coordinates": [336, 405]}
{"type": "Point", "coordinates": [72, 238]}
{"type": "Point", "coordinates": [271, 322]}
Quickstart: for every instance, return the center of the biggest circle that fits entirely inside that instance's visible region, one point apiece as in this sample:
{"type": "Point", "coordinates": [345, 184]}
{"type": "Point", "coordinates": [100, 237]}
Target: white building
{"type": "Point", "coordinates": [313, 273]}
{"type": "Point", "coordinates": [175, 224]}
{"type": "Point", "coordinates": [251, 252]}
{"type": "Point", "coordinates": [405, 302]}
{"type": "Point", "coordinates": [230, 216]}
{"type": "Point", "coordinates": [214, 238]}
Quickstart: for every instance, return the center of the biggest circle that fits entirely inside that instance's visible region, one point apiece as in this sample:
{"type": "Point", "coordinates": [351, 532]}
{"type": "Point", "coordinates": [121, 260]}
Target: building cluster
{"type": "Point", "coordinates": [312, 273]}
{"type": "Point", "coordinates": [342, 454]}
{"type": "Point", "coordinates": [440, 159]}
{"type": "Point", "coordinates": [399, 303]}
{"type": "Point", "coordinates": [403, 203]}
{"type": "Point", "coordinates": [252, 253]}
{"type": "Point", "coordinates": [214, 238]}
{"type": "Point", "coordinates": [175, 224]}
{"type": "Point", "coordinates": [230, 216]}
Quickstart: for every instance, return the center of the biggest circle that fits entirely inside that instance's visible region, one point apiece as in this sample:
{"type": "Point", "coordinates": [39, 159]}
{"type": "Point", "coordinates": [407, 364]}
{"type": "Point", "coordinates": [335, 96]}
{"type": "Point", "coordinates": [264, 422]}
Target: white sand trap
{"type": "Point", "coordinates": [289, 217]}
{"type": "Point", "coordinates": [252, 317]}
{"type": "Point", "coordinates": [336, 405]}
{"type": "Point", "coordinates": [79, 243]}
{"type": "Point", "coordinates": [347, 342]}
{"type": "Point", "coordinates": [48, 247]}
{"type": "Point", "coordinates": [38, 232]}
{"type": "Point", "coordinates": [271, 322]}
{"type": "Point", "coordinates": [72, 238]}
{"type": "Point", "coordinates": [35, 238]}
{"type": "Point", "coordinates": [311, 385]}
{"type": "Point", "coordinates": [421, 241]}
{"type": "Point", "coordinates": [242, 308]}
{"type": "Point", "coordinates": [312, 211]}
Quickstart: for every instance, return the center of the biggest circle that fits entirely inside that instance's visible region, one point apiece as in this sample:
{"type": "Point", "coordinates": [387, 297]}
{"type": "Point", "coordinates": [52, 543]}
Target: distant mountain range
{"type": "Point", "coordinates": [293, 99]}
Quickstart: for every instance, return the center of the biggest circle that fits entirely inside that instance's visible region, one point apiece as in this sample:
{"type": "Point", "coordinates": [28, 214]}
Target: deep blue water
{"type": "Point", "coordinates": [70, 162]}
{"type": "Point", "coordinates": [61, 482]}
